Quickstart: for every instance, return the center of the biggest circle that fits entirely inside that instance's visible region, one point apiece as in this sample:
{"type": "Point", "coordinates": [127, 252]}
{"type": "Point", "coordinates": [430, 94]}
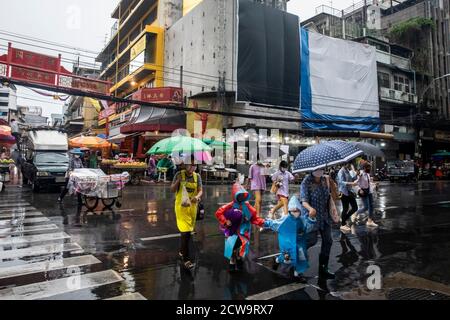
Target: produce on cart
{"type": "Point", "coordinates": [97, 186]}
{"type": "Point", "coordinates": [135, 168]}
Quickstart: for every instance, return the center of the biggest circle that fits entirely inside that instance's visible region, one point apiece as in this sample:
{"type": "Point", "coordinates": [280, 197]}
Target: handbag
{"type": "Point", "coordinates": [200, 211]}
{"type": "Point", "coordinates": [275, 188]}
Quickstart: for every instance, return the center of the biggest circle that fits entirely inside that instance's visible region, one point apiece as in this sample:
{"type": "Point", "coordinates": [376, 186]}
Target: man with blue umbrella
{"type": "Point", "coordinates": [315, 194]}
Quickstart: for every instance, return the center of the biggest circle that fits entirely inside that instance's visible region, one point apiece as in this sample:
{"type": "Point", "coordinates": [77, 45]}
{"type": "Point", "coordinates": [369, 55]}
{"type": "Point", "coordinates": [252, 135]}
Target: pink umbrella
{"type": "Point", "coordinates": [204, 156]}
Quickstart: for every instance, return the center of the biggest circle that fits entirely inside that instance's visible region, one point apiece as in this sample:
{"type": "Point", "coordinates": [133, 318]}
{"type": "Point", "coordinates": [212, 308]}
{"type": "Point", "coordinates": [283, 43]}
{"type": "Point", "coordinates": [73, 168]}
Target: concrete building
{"type": "Point", "coordinates": [81, 114]}
{"type": "Point", "coordinates": [8, 101]}
{"type": "Point", "coordinates": [178, 43]}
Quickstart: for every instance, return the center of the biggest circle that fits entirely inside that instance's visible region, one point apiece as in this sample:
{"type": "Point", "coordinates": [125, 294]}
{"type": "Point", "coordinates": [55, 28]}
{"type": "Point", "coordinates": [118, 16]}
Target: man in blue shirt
{"type": "Point", "coordinates": [346, 181]}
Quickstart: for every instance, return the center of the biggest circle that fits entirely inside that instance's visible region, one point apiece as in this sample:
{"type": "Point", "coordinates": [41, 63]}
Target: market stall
{"type": "Point", "coordinates": [136, 169]}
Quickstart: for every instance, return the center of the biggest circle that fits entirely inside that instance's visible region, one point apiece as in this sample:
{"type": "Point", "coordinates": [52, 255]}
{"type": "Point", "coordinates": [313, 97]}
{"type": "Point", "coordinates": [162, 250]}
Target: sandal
{"type": "Point", "coordinates": [189, 265]}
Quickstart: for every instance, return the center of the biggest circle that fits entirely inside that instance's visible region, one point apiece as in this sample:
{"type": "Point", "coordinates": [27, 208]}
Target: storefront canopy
{"type": "Point", "coordinates": [145, 119]}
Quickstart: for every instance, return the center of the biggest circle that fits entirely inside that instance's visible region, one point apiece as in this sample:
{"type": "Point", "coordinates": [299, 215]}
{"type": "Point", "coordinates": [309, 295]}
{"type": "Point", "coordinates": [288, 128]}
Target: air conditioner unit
{"type": "Point", "coordinates": [392, 94]}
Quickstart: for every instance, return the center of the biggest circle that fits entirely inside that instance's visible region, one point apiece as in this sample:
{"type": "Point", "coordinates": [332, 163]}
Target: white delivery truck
{"type": "Point", "coordinates": [45, 157]}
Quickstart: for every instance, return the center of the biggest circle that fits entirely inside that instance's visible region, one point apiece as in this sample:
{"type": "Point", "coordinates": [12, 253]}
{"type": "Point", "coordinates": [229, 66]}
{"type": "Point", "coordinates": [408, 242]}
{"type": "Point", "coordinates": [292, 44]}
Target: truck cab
{"type": "Point", "coordinates": [46, 158]}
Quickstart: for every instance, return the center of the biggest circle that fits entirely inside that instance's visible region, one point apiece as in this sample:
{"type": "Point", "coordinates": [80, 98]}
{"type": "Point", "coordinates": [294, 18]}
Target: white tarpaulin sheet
{"type": "Point", "coordinates": [339, 81]}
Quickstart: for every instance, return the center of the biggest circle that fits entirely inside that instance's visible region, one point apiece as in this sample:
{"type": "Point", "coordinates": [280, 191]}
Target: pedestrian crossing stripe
{"type": "Point", "coordinates": [28, 240]}
{"type": "Point", "coordinates": [47, 289]}
{"type": "Point", "coordinates": [9, 223]}
{"type": "Point", "coordinates": [46, 266]}
{"type": "Point", "coordinates": [24, 230]}
{"type": "Point", "coordinates": [40, 250]}
{"type": "Point", "coordinates": [130, 296]}
{"type": "Point", "coordinates": [20, 215]}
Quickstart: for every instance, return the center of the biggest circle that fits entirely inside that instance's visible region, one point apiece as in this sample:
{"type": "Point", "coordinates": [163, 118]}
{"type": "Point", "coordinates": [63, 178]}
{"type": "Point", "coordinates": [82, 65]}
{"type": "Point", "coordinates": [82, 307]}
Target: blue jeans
{"type": "Point", "coordinates": [368, 206]}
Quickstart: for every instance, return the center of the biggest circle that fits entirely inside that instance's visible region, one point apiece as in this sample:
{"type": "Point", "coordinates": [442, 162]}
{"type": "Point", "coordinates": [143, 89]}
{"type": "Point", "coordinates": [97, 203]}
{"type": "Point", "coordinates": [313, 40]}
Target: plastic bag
{"type": "Point", "coordinates": [185, 200]}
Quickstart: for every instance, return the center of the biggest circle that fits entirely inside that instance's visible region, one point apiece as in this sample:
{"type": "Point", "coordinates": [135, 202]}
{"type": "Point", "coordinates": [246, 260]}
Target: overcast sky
{"type": "Point", "coordinates": [83, 24]}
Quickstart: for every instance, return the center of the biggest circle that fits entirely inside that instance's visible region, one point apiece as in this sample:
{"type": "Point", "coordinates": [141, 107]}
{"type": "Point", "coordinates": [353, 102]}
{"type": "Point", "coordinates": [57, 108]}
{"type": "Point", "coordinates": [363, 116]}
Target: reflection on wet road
{"type": "Point", "coordinates": [134, 249]}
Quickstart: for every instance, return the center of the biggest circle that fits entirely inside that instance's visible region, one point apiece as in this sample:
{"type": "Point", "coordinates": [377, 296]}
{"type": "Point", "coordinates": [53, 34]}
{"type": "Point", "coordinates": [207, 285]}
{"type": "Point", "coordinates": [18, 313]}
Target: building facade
{"type": "Point", "coordinates": [8, 101]}
{"type": "Point", "coordinates": [413, 64]}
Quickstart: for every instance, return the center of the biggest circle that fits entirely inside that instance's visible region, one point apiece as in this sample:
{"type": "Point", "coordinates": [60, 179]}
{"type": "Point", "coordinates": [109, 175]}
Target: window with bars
{"type": "Point", "coordinates": [402, 83]}
{"type": "Point", "coordinates": [384, 80]}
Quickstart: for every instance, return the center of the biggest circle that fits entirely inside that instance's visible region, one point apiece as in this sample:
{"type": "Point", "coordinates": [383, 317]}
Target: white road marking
{"type": "Point", "coordinates": [22, 230]}
{"type": "Point", "coordinates": [9, 223]}
{"type": "Point", "coordinates": [23, 209]}
{"type": "Point", "coordinates": [14, 205]}
{"type": "Point", "coordinates": [168, 236]}
{"type": "Point", "coordinates": [20, 215]}
{"type": "Point", "coordinates": [130, 296]}
{"type": "Point", "coordinates": [52, 288]}
{"type": "Point", "coordinates": [273, 293]}
{"type": "Point", "coordinates": [41, 250]}
{"type": "Point", "coordinates": [387, 208]}
{"type": "Point", "coordinates": [444, 202]}
{"type": "Point", "coordinates": [28, 240]}
{"type": "Point", "coordinates": [52, 265]}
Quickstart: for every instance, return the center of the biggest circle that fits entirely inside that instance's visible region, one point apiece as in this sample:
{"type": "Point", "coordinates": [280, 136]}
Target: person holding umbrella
{"type": "Point", "coordinates": [315, 193]}
{"type": "Point", "coordinates": [316, 201]}
{"type": "Point", "coordinates": [188, 187]}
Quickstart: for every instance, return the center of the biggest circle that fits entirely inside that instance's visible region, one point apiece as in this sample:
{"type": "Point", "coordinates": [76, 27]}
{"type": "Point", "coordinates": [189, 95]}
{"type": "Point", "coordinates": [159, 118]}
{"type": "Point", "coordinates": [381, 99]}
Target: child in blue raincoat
{"type": "Point", "coordinates": [292, 238]}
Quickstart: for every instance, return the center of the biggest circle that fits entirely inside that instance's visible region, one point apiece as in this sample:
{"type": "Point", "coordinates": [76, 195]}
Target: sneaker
{"type": "Point", "coordinates": [275, 264]}
{"type": "Point", "coordinates": [346, 229]}
{"type": "Point", "coordinates": [59, 200]}
{"type": "Point", "coordinates": [354, 218]}
{"type": "Point", "coordinates": [371, 224]}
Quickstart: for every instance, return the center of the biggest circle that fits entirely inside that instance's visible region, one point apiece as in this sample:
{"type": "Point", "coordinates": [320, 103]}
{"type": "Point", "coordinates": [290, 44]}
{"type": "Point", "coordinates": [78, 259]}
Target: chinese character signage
{"type": "Point", "coordinates": [31, 59]}
{"type": "Point", "coordinates": [167, 95]}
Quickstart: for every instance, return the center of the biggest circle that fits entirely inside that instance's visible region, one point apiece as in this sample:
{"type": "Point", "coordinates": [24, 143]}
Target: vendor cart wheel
{"type": "Point", "coordinates": [108, 203]}
{"type": "Point", "coordinates": [118, 205]}
{"type": "Point", "coordinates": [90, 203]}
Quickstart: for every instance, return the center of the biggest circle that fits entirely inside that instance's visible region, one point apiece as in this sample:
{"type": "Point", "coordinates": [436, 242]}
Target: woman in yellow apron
{"type": "Point", "coordinates": [186, 214]}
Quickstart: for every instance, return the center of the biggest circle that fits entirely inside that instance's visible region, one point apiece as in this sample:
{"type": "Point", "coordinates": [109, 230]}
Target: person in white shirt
{"type": "Point", "coordinates": [366, 194]}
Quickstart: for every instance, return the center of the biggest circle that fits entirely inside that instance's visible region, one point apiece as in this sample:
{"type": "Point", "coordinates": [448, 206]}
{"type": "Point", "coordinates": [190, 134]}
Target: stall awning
{"type": "Point", "coordinates": [145, 119]}
{"type": "Point", "coordinates": [119, 137]}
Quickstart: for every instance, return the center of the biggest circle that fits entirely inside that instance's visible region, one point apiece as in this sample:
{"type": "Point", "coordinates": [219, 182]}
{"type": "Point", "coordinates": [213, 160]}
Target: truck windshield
{"type": "Point", "coordinates": [52, 158]}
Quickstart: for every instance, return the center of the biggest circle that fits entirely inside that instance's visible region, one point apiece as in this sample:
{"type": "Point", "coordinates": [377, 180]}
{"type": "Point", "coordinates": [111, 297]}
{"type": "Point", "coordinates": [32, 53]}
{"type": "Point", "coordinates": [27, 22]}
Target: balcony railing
{"type": "Point", "coordinates": [329, 10]}
{"type": "Point", "coordinates": [393, 60]}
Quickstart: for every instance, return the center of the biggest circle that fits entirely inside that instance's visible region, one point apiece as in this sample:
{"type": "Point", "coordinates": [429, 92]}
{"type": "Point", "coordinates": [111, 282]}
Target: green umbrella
{"type": "Point", "coordinates": [179, 144]}
{"type": "Point", "coordinates": [217, 144]}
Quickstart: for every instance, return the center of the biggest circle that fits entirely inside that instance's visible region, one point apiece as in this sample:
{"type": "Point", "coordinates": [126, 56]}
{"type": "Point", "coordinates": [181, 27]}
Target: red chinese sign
{"type": "Point", "coordinates": [167, 95]}
{"type": "Point", "coordinates": [33, 76]}
{"type": "Point", "coordinates": [107, 112]}
{"type": "Point", "coordinates": [31, 59]}
{"type": "Point", "coordinates": [84, 84]}
{"type": "Point", "coordinates": [42, 69]}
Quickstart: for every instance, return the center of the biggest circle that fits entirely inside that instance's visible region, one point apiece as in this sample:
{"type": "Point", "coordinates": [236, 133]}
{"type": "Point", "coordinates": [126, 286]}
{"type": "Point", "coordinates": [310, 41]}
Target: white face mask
{"type": "Point", "coordinates": [318, 173]}
{"type": "Point", "coordinates": [77, 156]}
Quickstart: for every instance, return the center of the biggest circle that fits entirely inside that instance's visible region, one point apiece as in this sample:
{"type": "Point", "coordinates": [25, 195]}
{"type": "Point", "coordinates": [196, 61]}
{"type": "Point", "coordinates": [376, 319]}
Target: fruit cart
{"type": "Point", "coordinates": [5, 166]}
{"type": "Point", "coordinates": [108, 165]}
{"type": "Point", "coordinates": [95, 186]}
{"type": "Point", "coordinates": [135, 169]}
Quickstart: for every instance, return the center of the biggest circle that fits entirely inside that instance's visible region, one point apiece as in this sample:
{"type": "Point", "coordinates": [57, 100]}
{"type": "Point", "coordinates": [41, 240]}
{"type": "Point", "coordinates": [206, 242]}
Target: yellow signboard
{"type": "Point", "coordinates": [138, 48]}
{"type": "Point", "coordinates": [188, 5]}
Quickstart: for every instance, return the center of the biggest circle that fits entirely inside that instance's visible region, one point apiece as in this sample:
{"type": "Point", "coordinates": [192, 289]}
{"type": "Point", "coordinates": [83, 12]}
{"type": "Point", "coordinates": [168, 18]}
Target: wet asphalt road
{"type": "Point", "coordinates": [414, 238]}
